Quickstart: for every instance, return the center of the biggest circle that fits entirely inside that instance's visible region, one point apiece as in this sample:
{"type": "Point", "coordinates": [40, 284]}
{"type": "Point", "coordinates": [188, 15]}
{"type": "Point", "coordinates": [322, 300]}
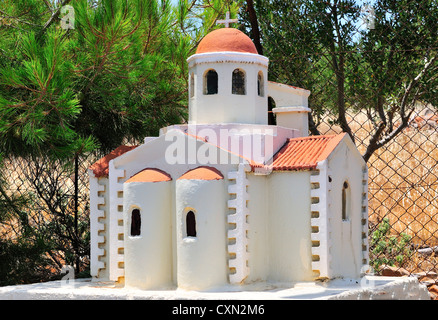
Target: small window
{"type": "Point", "coordinates": [271, 116]}
{"type": "Point", "coordinates": [190, 224]}
{"type": "Point", "coordinates": [192, 85]}
{"type": "Point", "coordinates": [211, 82]}
{"type": "Point", "coordinates": [238, 82]}
{"type": "Point", "coordinates": [345, 200]}
{"type": "Point", "coordinates": [135, 222]}
{"type": "Point", "coordinates": [260, 85]}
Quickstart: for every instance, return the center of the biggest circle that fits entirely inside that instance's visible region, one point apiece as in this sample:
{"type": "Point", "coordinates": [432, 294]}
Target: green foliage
{"type": "Point", "coordinates": [23, 261]}
{"type": "Point", "coordinates": [118, 76]}
{"type": "Point", "coordinates": [387, 249]}
{"type": "Point", "coordinates": [38, 104]}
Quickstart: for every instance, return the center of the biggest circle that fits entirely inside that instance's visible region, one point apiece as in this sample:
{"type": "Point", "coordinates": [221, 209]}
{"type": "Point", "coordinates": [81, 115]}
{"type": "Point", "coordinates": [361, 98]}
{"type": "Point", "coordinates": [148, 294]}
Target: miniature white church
{"type": "Point", "coordinates": [229, 199]}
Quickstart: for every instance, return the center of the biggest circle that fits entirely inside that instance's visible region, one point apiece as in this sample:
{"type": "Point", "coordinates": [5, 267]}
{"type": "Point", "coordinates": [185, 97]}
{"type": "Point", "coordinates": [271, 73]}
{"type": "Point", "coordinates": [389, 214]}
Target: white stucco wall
{"type": "Point", "coordinates": [258, 247]}
{"type": "Point", "coordinates": [293, 117]}
{"type": "Point", "coordinates": [202, 260]}
{"type": "Point", "coordinates": [288, 96]}
{"type": "Point", "coordinates": [279, 235]}
{"type": "Point", "coordinates": [289, 227]}
{"type": "Point", "coordinates": [99, 237]}
{"type": "Point", "coordinates": [345, 164]}
{"type": "Point", "coordinates": [291, 106]}
{"type": "Point", "coordinates": [148, 257]}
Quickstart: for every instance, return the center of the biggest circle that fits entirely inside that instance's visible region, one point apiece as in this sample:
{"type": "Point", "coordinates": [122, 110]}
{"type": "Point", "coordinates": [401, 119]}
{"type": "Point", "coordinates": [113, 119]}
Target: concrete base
{"type": "Point", "coordinates": [367, 288]}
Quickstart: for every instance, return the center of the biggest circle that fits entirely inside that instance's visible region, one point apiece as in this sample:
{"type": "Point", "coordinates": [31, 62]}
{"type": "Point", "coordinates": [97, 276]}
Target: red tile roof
{"type": "Point", "coordinates": [301, 153]}
{"type": "Point", "coordinates": [304, 153]}
{"type": "Point", "coordinates": [100, 167]}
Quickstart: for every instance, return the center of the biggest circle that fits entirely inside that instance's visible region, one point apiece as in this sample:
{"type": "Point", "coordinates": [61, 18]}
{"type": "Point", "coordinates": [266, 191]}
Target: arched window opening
{"type": "Point", "coordinates": [345, 201]}
{"type": "Point", "coordinates": [211, 82]}
{"type": "Point", "coordinates": [238, 82]}
{"type": "Point", "coordinates": [190, 224]}
{"type": "Point", "coordinates": [135, 222]}
{"type": "Point", "coordinates": [260, 85]}
{"type": "Point", "coordinates": [271, 114]}
{"type": "Point", "coordinates": [192, 85]}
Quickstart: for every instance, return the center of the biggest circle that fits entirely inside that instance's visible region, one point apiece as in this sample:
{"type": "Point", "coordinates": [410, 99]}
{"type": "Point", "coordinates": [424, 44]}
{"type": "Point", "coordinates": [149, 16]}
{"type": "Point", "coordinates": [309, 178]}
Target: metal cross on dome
{"type": "Point", "coordinates": [227, 20]}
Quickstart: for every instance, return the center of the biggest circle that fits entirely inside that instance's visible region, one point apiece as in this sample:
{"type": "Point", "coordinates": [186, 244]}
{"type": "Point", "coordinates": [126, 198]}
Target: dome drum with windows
{"type": "Point", "coordinates": [227, 80]}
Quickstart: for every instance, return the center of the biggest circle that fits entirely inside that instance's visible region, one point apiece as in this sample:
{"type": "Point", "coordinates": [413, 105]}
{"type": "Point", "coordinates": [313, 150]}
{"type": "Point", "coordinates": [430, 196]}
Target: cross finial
{"type": "Point", "coordinates": [227, 20]}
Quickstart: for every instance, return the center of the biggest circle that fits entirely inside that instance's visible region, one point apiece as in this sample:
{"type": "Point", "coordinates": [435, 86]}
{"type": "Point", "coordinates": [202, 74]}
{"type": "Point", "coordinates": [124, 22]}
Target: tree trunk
{"type": "Point", "coordinates": [340, 79]}
{"type": "Point", "coordinates": [254, 26]}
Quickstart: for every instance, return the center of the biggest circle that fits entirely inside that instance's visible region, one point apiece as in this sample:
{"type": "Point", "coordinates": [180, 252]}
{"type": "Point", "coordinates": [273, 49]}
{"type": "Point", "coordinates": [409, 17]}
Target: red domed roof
{"type": "Point", "coordinates": [150, 175]}
{"type": "Point", "coordinates": [202, 173]}
{"type": "Point", "coordinates": [226, 39]}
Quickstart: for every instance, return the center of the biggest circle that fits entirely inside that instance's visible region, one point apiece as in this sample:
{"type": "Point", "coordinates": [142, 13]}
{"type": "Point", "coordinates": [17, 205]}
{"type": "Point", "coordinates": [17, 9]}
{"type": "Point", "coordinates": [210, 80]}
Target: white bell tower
{"type": "Point", "coordinates": [227, 80]}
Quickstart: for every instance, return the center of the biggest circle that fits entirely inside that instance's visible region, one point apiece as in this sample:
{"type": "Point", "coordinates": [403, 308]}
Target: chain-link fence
{"type": "Point", "coordinates": [45, 212]}
{"type": "Point", "coordinates": [403, 194]}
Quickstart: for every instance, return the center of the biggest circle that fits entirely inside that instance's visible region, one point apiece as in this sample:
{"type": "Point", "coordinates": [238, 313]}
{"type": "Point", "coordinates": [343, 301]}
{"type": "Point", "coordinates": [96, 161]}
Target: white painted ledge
{"type": "Point", "coordinates": [387, 288]}
{"type": "Point", "coordinates": [286, 109]}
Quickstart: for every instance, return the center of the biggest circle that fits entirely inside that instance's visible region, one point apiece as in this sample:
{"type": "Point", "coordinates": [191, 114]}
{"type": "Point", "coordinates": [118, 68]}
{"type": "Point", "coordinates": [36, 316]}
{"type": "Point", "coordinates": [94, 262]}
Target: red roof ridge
{"type": "Point", "coordinates": [196, 137]}
{"type": "Point", "coordinates": [331, 145]}
{"type": "Point", "coordinates": [316, 137]}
